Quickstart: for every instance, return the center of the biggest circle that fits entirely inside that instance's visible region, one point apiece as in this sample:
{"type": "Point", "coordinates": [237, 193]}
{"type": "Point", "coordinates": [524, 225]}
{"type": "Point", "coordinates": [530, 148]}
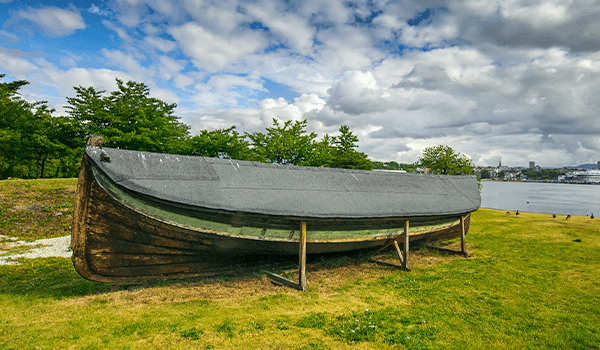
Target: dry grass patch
{"type": "Point", "coordinates": [34, 209]}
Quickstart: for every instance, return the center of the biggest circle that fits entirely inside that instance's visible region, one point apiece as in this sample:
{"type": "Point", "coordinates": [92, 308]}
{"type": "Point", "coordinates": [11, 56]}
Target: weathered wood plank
{"type": "Point", "coordinates": [99, 243]}
{"type": "Point", "coordinates": [150, 260]}
{"type": "Point", "coordinates": [285, 282]}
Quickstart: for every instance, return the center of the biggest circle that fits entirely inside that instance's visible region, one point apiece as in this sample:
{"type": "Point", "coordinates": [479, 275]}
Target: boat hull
{"type": "Point", "coordinates": [112, 242]}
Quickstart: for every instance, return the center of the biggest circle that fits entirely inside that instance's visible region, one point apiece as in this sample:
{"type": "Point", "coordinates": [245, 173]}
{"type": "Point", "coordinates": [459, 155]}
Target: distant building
{"type": "Point", "coordinates": [531, 165]}
{"type": "Point", "coordinates": [583, 177]}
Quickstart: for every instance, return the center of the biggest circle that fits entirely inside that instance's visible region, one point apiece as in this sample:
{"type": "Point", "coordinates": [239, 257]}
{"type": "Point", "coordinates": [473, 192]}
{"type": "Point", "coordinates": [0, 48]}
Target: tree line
{"type": "Point", "coordinates": [34, 143]}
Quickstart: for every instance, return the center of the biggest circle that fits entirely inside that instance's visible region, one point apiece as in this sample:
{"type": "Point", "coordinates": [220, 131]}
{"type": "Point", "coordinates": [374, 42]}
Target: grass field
{"type": "Point", "coordinates": [531, 282]}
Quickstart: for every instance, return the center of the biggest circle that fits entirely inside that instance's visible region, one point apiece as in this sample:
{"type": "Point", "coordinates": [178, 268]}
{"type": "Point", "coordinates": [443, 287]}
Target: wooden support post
{"type": "Point", "coordinates": [302, 270]}
{"type": "Point", "coordinates": [463, 249]}
{"type": "Point", "coordinates": [301, 285]}
{"type": "Point", "coordinates": [405, 262]}
{"type": "Point", "coordinates": [403, 257]}
{"type": "Point", "coordinates": [462, 235]}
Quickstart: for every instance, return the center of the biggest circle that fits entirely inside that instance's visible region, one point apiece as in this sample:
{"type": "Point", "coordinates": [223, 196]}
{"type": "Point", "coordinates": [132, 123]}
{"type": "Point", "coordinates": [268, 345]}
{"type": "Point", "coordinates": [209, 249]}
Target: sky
{"type": "Point", "coordinates": [499, 81]}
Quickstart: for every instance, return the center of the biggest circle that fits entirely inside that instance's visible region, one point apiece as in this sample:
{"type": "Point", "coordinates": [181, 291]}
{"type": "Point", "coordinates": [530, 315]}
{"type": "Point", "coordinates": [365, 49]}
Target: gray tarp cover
{"type": "Point", "coordinates": [252, 187]}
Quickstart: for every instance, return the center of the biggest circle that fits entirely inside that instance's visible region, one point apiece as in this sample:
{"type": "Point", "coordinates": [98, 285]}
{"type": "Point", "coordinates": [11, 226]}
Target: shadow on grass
{"type": "Point", "coordinates": [56, 278]}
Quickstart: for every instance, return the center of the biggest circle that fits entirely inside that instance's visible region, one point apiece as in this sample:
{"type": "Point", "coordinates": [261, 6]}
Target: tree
{"type": "Point", "coordinates": [28, 133]}
{"type": "Point", "coordinates": [283, 144]}
{"type": "Point", "coordinates": [13, 112]}
{"type": "Point", "coordinates": [346, 155]}
{"type": "Point", "coordinates": [129, 118]}
{"type": "Point", "coordinates": [322, 154]}
{"type": "Point", "coordinates": [485, 174]}
{"type": "Point", "coordinates": [219, 143]}
{"type": "Point", "coordinates": [444, 160]}
{"type": "Point", "coordinates": [394, 166]}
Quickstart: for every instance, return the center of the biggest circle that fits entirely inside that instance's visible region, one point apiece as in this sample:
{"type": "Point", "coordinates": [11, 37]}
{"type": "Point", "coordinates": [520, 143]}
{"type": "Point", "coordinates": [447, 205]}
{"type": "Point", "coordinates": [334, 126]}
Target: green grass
{"type": "Point", "coordinates": [530, 283]}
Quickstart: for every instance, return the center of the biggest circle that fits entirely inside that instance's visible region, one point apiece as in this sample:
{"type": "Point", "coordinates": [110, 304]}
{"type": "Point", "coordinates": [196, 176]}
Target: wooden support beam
{"type": "Point", "coordinates": [403, 257]}
{"type": "Point", "coordinates": [398, 252]}
{"type": "Point", "coordinates": [282, 281]}
{"type": "Point", "coordinates": [463, 250]}
{"type": "Point", "coordinates": [405, 261]}
{"type": "Point", "coordinates": [301, 285]}
{"type": "Point", "coordinates": [462, 235]}
{"type": "Point", "coordinates": [302, 253]}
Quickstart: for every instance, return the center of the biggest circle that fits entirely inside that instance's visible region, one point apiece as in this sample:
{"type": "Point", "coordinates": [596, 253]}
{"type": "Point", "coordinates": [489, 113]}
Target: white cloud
{"type": "Point", "coordinates": [9, 37]}
{"type": "Point", "coordinates": [165, 95]}
{"type": "Point", "coordinates": [161, 44]}
{"type": "Point", "coordinates": [219, 17]}
{"type": "Point", "coordinates": [291, 28]}
{"type": "Point", "coordinates": [97, 11]}
{"type": "Point", "coordinates": [169, 67]}
{"type": "Point", "coordinates": [122, 33]}
{"type": "Point", "coordinates": [224, 90]}
{"type": "Point", "coordinates": [128, 63]}
{"type": "Point", "coordinates": [212, 51]}
{"type": "Point", "coordinates": [16, 66]}
{"type": "Point", "coordinates": [53, 20]}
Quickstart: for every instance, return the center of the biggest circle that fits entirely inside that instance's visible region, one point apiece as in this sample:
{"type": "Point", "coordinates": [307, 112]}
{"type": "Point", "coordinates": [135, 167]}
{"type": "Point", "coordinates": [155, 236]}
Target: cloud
{"type": "Point", "coordinates": [129, 63]}
{"type": "Point", "coordinates": [290, 28]}
{"type": "Point", "coordinates": [161, 44]}
{"type": "Point", "coordinates": [122, 33]}
{"type": "Point", "coordinates": [53, 20]}
{"type": "Point", "coordinates": [219, 17]}
{"type": "Point", "coordinates": [98, 11]}
{"type": "Point", "coordinates": [224, 90]}
{"type": "Point", "coordinates": [16, 66]}
{"type": "Point", "coordinates": [9, 37]}
{"type": "Point", "coordinates": [544, 24]}
{"type": "Point", "coordinates": [211, 51]}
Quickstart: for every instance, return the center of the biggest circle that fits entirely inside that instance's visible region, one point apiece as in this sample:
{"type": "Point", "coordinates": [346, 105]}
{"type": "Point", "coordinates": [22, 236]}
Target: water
{"type": "Point", "coordinates": [561, 199]}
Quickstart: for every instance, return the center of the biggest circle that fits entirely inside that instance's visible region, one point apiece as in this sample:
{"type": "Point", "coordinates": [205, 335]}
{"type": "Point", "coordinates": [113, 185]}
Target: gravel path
{"type": "Point", "coordinates": [59, 247]}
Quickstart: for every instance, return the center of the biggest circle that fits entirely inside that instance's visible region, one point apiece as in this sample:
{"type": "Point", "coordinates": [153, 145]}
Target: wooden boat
{"type": "Point", "coordinates": [150, 216]}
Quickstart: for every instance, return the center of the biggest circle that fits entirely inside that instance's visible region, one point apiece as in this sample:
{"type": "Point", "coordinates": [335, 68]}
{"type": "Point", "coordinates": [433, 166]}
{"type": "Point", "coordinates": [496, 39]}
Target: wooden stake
{"type": "Point", "coordinates": [302, 268]}
{"type": "Point", "coordinates": [399, 253]}
{"type": "Point", "coordinates": [405, 261]}
{"type": "Point", "coordinates": [301, 285]}
{"type": "Point", "coordinates": [462, 235]}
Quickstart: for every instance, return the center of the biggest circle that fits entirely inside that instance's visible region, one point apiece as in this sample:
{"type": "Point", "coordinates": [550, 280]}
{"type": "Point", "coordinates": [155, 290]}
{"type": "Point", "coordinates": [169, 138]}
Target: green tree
{"type": "Point", "coordinates": [14, 111]}
{"type": "Point", "coordinates": [283, 144]}
{"type": "Point", "coordinates": [543, 174]}
{"type": "Point", "coordinates": [29, 134]}
{"type": "Point", "coordinates": [394, 166]}
{"type": "Point", "coordinates": [346, 155]}
{"type": "Point", "coordinates": [444, 160]}
{"type": "Point", "coordinates": [219, 143]}
{"type": "Point", "coordinates": [323, 153]}
{"type": "Point", "coordinates": [485, 174]}
{"type": "Point", "coordinates": [128, 118]}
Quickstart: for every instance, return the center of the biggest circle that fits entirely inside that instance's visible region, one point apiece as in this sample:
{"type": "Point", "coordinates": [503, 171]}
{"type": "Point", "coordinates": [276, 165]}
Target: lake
{"type": "Point", "coordinates": [561, 199]}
